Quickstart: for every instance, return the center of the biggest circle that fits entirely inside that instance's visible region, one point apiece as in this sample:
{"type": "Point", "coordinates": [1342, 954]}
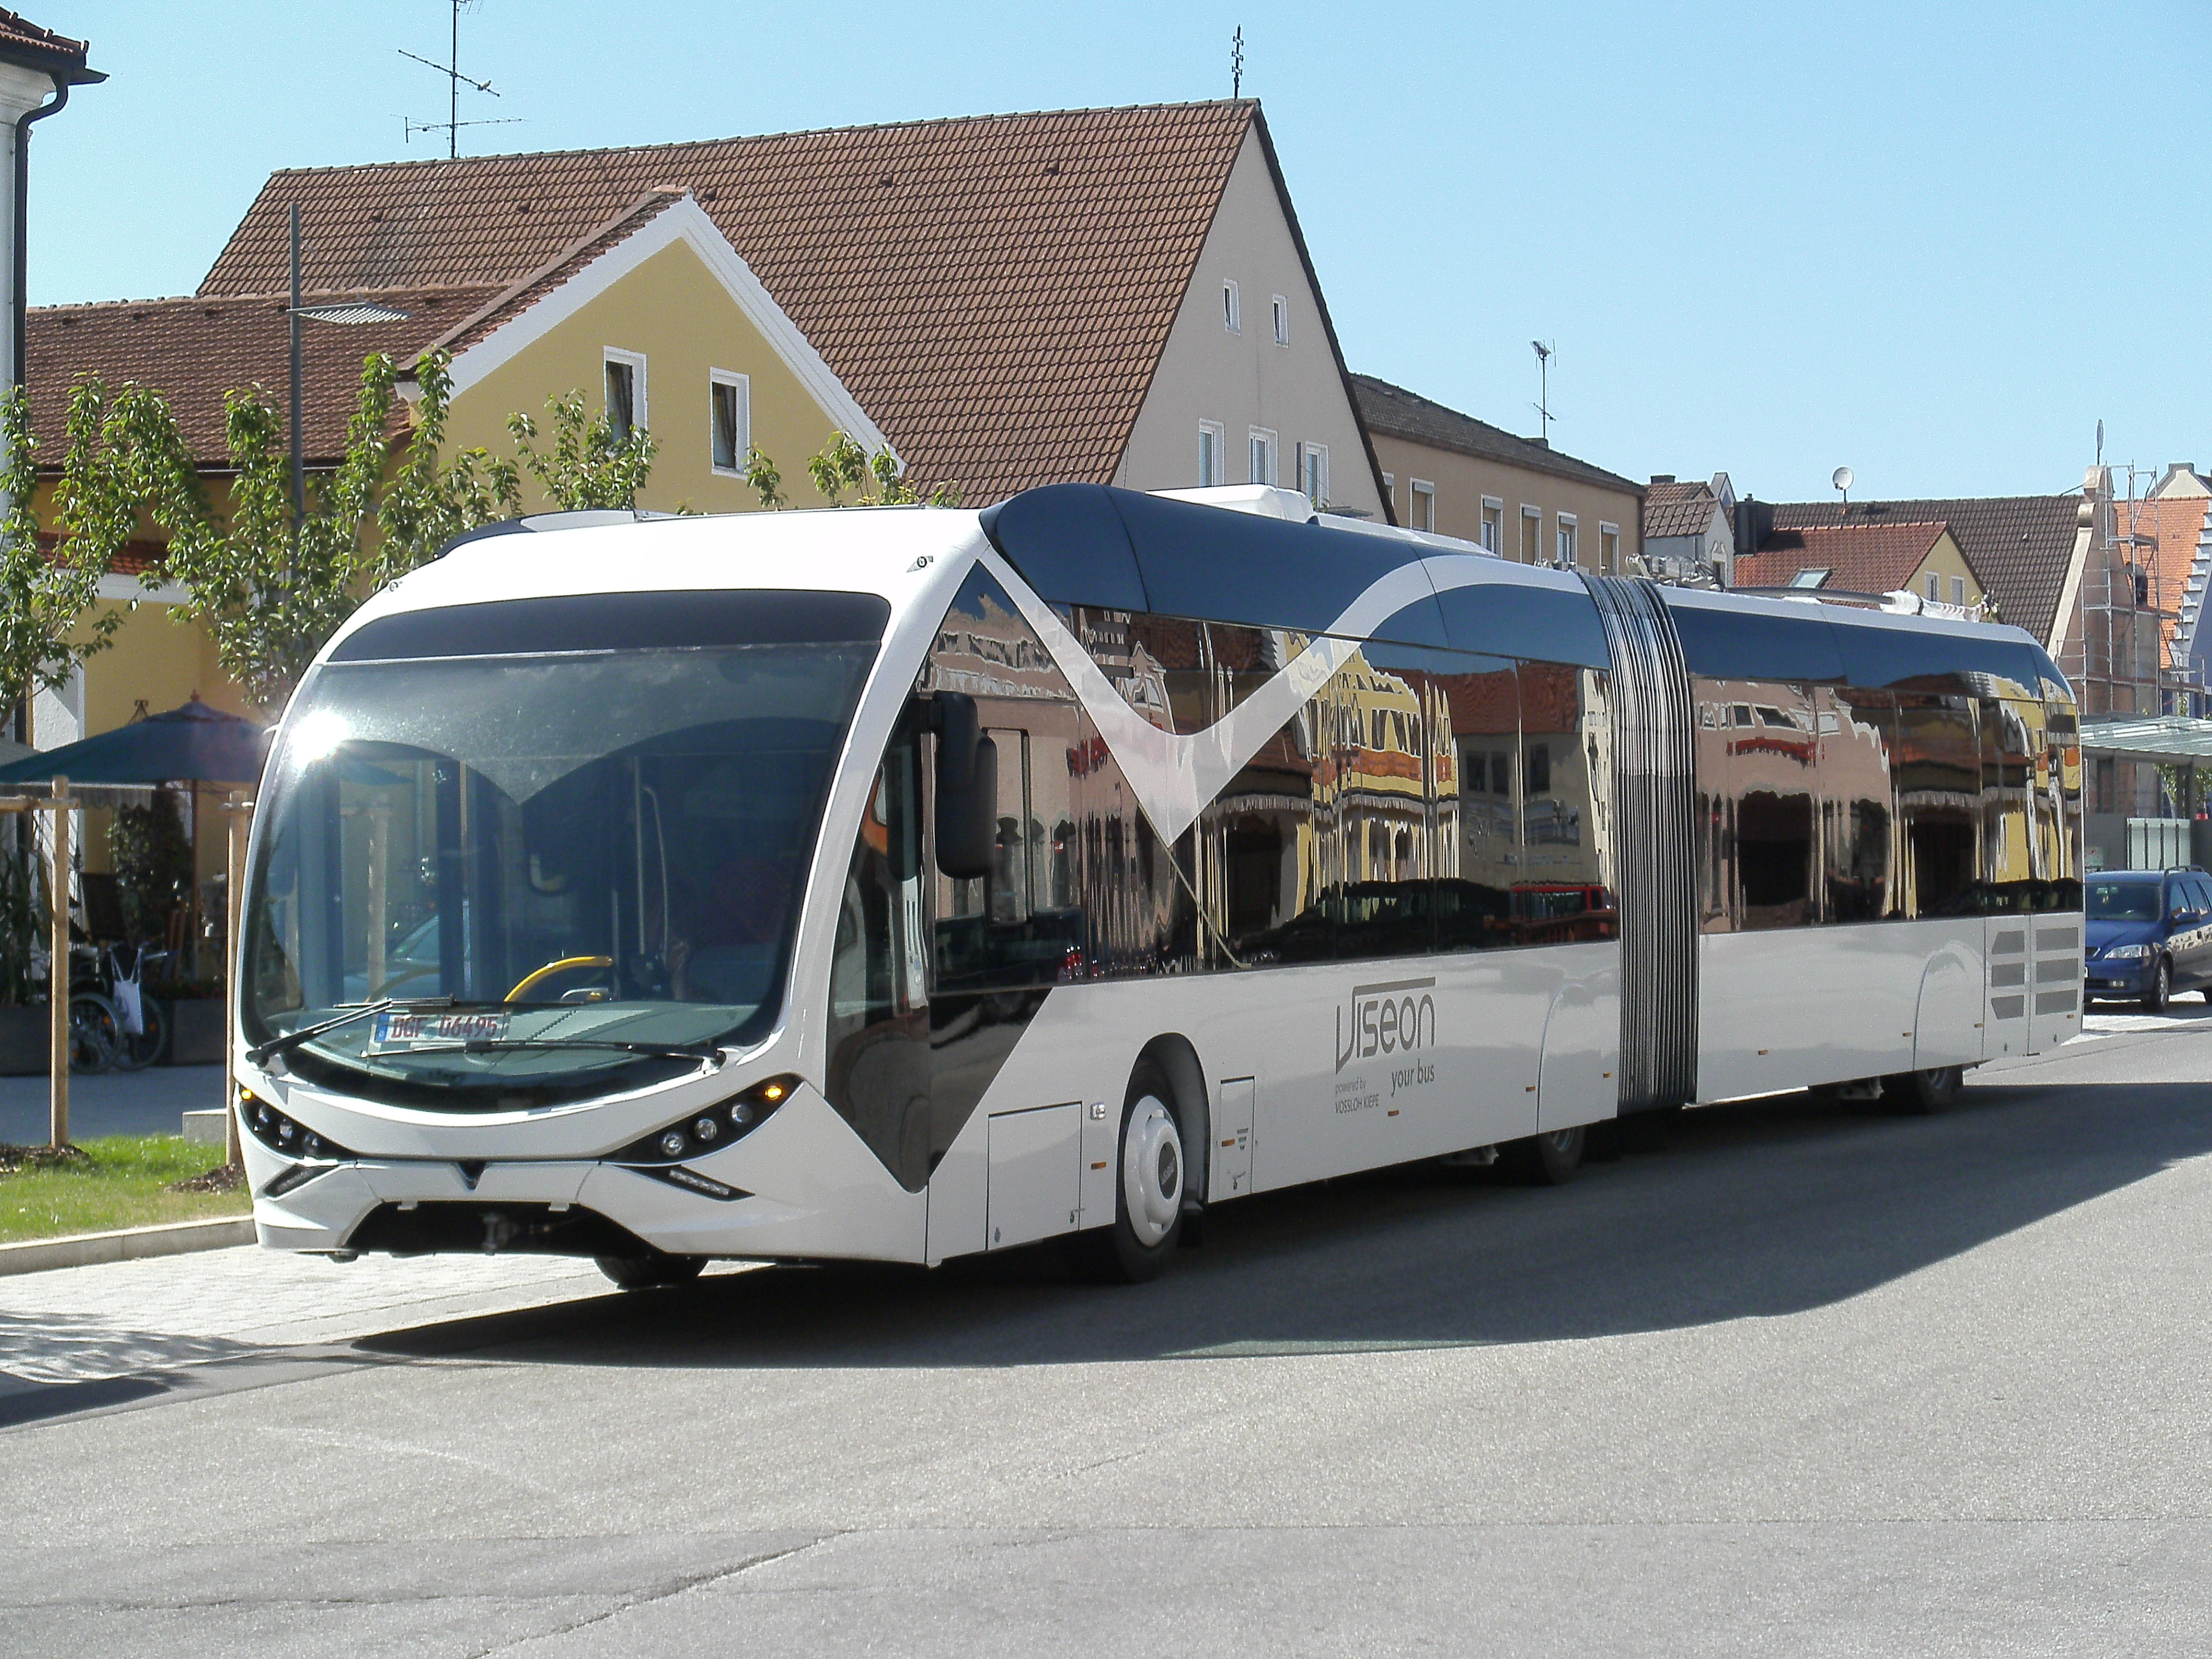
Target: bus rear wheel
{"type": "Point", "coordinates": [646, 1273]}
{"type": "Point", "coordinates": [1148, 1189]}
{"type": "Point", "coordinates": [1544, 1160]}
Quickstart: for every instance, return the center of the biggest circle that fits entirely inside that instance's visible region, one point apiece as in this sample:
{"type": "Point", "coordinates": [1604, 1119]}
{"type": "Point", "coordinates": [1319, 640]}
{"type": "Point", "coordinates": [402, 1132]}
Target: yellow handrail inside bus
{"type": "Point", "coordinates": [553, 968]}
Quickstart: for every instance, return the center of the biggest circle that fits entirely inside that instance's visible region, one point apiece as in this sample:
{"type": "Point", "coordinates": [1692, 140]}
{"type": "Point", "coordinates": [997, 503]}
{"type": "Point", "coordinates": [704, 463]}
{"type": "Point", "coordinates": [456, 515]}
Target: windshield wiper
{"type": "Point", "coordinates": [263, 1053]}
{"type": "Point", "coordinates": [502, 1045]}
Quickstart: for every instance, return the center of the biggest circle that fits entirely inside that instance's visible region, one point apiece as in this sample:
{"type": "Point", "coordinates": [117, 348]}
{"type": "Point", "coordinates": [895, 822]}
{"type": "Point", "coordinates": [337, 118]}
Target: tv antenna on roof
{"type": "Point", "coordinates": [1237, 63]}
{"type": "Point", "coordinates": [451, 69]}
{"type": "Point", "coordinates": [1543, 348]}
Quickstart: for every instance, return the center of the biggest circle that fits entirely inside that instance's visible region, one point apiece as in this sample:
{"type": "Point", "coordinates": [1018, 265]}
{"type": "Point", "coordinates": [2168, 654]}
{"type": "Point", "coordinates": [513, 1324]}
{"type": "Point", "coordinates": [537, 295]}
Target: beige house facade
{"type": "Point", "coordinates": [1452, 474]}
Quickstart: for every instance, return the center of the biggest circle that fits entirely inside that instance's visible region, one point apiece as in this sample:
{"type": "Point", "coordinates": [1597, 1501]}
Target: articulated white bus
{"type": "Point", "coordinates": [903, 883]}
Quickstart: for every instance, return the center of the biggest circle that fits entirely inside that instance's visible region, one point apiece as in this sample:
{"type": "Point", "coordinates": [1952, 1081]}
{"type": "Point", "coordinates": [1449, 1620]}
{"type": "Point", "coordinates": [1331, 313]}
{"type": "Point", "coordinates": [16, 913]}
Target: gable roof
{"type": "Point", "coordinates": [1679, 509]}
{"type": "Point", "coordinates": [197, 349]}
{"type": "Point", "coordinates": [995, 290]}
{"type": "Point", "coordinates": [1397, 413]}
{"type": "Point", "coordinates": [2021, 546]}
{"type": "Point", "coordinates": [1862, 558]}
{"type": "Point", "coordinates": [22, 41]}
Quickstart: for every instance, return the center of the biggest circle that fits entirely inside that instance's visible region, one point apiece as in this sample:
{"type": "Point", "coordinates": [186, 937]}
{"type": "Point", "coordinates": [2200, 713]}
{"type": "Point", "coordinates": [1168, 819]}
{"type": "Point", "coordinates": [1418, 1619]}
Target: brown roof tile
{"type": "Point", "coordinates": [22, 41]}
{"type": "Point", "coordinates": [2020, 546]}
{"type": "Point", "coordinates": [1863, 558]}
{"type": "Point", "coordinates": [994, 291]}
{"type": "Point", "coordinates": [1677, 509]}
{"type": "Point", "coordinates": [194, 350]}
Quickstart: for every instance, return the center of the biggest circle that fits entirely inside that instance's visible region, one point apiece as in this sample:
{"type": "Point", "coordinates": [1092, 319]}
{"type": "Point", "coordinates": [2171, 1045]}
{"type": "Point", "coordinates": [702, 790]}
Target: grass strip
{"type": "Point", "coordinates": [113, 1181]}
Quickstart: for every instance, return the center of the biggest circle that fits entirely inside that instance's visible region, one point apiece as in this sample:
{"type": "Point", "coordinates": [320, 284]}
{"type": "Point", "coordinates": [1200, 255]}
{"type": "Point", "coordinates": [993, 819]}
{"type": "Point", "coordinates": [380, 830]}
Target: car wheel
{"type": "Point", "coordinates": [2161, 988]}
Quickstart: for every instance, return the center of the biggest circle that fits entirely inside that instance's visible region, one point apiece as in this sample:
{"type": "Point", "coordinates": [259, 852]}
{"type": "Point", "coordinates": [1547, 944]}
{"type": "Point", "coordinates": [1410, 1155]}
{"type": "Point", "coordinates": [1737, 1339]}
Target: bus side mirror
{"type": "Point", "coordinates": [967, 790]}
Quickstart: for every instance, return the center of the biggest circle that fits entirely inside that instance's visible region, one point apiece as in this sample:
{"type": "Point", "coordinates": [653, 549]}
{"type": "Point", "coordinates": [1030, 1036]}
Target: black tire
{"type": "Point", "coordinates": [95, 1032]}
{"type": "Point", "coordinates": [1922, 1094]}
{"type": "Point", "coordinates": [1123, 1254]}
{"type": "Point", "coordinates": [648, 1272]}
{"type": "Point", "coordinates": [2161, 988]}
{"type": "Point", "coordinates": [1544, 1160]}
{"type": "Point", "coordinates": [136, 1054]}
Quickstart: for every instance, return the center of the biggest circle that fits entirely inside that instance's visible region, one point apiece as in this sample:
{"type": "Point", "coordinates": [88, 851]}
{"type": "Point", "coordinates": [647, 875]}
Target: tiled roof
{"type": "Point", "coordinates": [2176, 523]}
{"type": "Point", "coordinates": [994, 291]}
{"type": "Point", "coordinates": [1677, 509]}
{"type": "Point", "coordinates": [22, 41]}
{"type": "Point", "coordinates": [1395, 413]}
{"type": "Point", "coordinates": [2020, 546]}
{"type": "Point", "coordinates": [194, 350]}
{"type": "Point", "coordinates": [1863, 558]}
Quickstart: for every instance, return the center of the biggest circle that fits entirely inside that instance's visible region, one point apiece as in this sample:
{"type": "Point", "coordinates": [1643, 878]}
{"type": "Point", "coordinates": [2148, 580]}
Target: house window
{"type": "Point", "coordinates": [1263, 456]}
{"type": "Point", "coordinates": [1532, 535]}
{"type": "Point", "coordinates": [625, 393]}
{"type": "Point", "coordinates": [1421, 504]}
{"type": "Point", "coordinates": [1935, 586]}
{"type": "Point", "coordinates": [1230, 317]}
{"type": "Point", "coordinates": [1282, 321]}
{"type": "Point", "coordinates": [1493, 524]}
{"type": "Point", "coordinates": [1609, 550]}
{"type": "Point", "coordinates": [1390, 487]}
{"type": "Point", "coordinates": [1313, 472]}
{"type": "Point", "coordinates": [730, 412]}
{"type": "Point", "coordinates": [1569, 553]}
{"type": "Point", "coordinates": [1957, 590]}
{"type": "Point", "coordinates": [1213, 453]}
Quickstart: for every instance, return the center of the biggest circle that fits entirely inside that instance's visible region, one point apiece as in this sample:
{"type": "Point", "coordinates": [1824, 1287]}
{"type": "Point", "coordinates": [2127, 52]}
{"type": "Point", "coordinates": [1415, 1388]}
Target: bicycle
{"type": "Point", "coordinates": [103, 1001]}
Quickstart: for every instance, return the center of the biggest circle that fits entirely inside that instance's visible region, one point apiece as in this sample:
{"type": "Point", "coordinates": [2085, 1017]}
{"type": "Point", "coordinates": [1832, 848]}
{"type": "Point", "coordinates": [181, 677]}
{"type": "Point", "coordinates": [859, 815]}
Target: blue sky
{"type": "Point", "coordinates": [1936, 242]}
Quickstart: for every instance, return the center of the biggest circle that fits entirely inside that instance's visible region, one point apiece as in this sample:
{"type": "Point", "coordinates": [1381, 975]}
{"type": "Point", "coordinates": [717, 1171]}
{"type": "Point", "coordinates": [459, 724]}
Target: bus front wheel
{"type": "Point", "coordinates": [1148, 1196]}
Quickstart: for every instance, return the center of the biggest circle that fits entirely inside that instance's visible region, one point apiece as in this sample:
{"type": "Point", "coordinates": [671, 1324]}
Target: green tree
{"type": "Point", "coordinates": [588, 466]}
{"type": "Point", "coordinates": [842, 464]}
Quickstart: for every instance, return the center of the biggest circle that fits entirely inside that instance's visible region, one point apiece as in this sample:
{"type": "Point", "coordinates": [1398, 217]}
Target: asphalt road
{"type": "Point", "coordinates": [1809, 1381]}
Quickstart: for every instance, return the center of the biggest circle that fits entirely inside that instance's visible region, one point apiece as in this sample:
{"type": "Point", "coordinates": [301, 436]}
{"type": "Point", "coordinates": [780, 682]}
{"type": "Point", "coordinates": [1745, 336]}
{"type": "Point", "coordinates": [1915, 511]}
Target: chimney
{"type": "Point", "coordinates": [1662, 477]}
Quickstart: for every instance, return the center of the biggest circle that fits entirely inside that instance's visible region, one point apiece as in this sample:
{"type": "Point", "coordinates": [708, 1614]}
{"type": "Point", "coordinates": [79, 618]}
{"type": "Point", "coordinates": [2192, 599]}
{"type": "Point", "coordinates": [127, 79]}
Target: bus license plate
{"type": "Point", "coordinates": [404, 1031]}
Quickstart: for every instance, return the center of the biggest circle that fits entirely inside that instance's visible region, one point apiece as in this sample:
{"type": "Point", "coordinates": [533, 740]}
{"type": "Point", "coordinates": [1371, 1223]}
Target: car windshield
{"type": "Point", "coordinates": [2121, 900]}
{"type": "Point", "coordinates": [582, 857]}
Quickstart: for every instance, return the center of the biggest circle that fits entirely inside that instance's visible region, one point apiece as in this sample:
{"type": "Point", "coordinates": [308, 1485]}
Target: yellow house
{"type": "Point", "coordinates": [654, 317]}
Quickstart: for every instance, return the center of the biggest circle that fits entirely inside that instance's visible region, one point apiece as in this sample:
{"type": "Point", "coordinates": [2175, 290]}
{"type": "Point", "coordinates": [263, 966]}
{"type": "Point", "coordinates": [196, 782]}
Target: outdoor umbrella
{"type": "Point", "coordinates": [191, 745]}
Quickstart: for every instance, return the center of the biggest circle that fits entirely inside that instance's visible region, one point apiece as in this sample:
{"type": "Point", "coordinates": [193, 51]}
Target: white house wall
{"type": "Point", "coordinates": [1243, 381]}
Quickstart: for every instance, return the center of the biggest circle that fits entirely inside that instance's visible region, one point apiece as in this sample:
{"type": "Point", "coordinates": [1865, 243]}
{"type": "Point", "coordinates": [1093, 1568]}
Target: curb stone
{"type": "Point", "coordinates": [130, 1244]}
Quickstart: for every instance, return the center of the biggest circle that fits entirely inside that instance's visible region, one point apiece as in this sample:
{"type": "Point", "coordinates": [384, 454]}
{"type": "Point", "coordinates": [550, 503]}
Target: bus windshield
{"type": "Point", "coordinates": [560, 867]}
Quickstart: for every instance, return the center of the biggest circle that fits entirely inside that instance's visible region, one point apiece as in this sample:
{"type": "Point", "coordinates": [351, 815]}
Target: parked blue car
{"type": "Point", "coordinates": [2149, 935]}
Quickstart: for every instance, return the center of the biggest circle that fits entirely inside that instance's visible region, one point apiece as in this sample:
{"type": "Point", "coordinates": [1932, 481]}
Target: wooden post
{"type": "Point", "coordinates": [57, 974]}
{"type": "Point", "coordinates": [240, 810]}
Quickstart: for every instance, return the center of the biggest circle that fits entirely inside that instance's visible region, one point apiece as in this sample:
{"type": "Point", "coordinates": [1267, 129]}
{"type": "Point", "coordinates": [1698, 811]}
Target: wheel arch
{"type": "Point", "coordinates": [1178, 1058]}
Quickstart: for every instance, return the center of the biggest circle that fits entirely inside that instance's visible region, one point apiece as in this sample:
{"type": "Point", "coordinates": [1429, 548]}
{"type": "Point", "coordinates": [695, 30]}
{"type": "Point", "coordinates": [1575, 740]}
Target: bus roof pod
{"type": "Point", "coordinates": [590, 517]}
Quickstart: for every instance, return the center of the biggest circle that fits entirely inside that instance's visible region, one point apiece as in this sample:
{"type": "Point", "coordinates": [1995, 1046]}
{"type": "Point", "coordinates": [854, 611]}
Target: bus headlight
{"type": "Point", "coordinates": [708, 1131]}
{"type": "Point", "coordinates": [279, 1133]}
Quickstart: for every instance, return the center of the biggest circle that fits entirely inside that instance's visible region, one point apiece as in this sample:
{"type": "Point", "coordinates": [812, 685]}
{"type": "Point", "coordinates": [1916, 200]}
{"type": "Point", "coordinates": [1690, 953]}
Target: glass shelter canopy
{"type": "Point", "coordinates": [570, 835]}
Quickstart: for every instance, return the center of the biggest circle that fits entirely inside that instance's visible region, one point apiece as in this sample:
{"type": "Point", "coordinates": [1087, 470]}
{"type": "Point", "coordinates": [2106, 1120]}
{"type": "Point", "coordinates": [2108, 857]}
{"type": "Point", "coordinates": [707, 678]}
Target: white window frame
{"type": "Point", "coordinates": [1260, 440]}
{"type": "Point", "coordinates": [743, 385]}
{"type": "Point", "coordinates": [1957, 590]}
{"type": "Point", "coordinates": [1282, 315]}
{"type": "Point", "coordinates": [1420, 505]}
{"type": "Point", "coordinates": [1215, 434]}
{"type": "Point", "coordinates": [1233, 317]}
{"type": "Point", "coordinates": [1493, 529]}
{"type": "Point", "coordinates": [1313, 472]}
{"type": "Point", "coordinates": [635, 361]}
{"type": "Point", "coordinates": [1534, 542]}
{"type": "Point", "coordinates": [1569, 540]}
{"type": "Point", "coordinates": [1608, 549]}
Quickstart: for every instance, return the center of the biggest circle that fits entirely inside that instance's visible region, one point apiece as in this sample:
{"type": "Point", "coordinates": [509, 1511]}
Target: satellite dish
{"type": "Point", "coordinates": [1841, 478]}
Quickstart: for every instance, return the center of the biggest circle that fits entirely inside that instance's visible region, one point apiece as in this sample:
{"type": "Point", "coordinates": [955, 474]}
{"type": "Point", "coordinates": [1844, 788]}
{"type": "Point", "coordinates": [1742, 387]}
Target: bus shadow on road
{"type": "Point", "coordinates": [1758, 1210]}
